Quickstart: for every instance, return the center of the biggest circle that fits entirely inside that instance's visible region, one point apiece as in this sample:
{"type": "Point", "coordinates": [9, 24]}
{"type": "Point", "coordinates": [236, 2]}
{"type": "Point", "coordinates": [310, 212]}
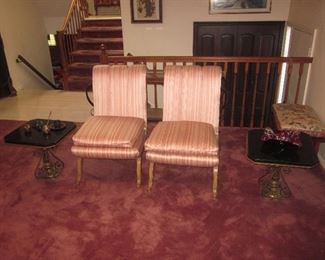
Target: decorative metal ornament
{"type": "Point", "coordinates": [50, 166]}
{"type": "Point", "coordinates": [273, 185]}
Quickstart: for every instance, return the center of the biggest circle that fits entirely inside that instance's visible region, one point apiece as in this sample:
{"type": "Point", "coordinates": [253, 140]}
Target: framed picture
{"type": "Point", "coordinates": [240, 6]}
{"type": "Point", "coordinates": [146, 11]}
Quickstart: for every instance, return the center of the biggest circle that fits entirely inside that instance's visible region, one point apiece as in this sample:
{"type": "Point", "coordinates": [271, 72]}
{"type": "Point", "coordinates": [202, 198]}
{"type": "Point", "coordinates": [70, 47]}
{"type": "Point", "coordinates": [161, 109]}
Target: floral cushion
{"type": "Point", "coordinates": [300, 118]}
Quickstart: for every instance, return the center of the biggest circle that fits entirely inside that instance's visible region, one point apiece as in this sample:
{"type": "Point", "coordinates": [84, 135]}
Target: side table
{"type": "Point", "coordinates": [49, 166]}
{"type": "Point", "coordinates": [273, 184]}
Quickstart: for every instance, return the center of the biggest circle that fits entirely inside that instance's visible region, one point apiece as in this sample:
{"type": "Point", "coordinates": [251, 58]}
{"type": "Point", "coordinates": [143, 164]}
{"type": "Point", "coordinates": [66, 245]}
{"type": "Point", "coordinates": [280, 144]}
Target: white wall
{"type": "Point", "coordinates": [310, 14]}
{"type": "Point", "coordinates": [23, 32]}
{"type": "Point", "coordinates": [175, 35]}
{"type": "Point", "coordinates": [53, 13]}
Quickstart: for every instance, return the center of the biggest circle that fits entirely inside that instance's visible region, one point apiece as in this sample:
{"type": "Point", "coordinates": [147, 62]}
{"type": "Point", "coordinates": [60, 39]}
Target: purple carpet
{"type": "Point", "coordinates": [107, 217]}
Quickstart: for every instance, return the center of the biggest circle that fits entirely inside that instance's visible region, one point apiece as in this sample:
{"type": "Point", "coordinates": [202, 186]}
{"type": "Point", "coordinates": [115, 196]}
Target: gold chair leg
{"type": "Point", "coordinates": [215, 181]}
{"type": "Point", "coordinates": [79, 169]}
{"type": "Point", "coordinates": [150, 180]}
{"type": "Point", "coordinates": [138, 172]}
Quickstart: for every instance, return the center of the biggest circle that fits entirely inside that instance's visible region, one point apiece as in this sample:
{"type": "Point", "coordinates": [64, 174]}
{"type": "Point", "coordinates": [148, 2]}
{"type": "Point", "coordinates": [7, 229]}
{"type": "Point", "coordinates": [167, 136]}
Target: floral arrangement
{"type": "Point", "coordinates": [288, 136]}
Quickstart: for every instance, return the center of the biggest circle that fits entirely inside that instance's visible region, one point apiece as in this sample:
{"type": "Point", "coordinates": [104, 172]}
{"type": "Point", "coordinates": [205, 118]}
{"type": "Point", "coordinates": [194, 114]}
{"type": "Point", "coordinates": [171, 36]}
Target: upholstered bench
{"type": "Point", "coordinates": [301, 118]}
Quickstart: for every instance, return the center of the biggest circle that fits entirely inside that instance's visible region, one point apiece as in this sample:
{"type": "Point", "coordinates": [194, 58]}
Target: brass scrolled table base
{"type": "Point", "coordinates": [273, 185]}
{"type": "Point", "coordinates": [49, 166]}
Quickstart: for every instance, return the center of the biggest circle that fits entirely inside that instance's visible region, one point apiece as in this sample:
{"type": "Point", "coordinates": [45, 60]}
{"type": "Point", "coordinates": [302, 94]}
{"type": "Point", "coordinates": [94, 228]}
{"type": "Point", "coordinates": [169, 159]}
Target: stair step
{"type": "Point", "coordinates": [95, 43]}
{"type": "Point", "coordinates": [102, 22]}
{"type": "Point", "coordinates": [82, 65]}
{"type": "Point", "coordinates": [92, 56]}
{"type": "Point", "coordinates": [81, 68]}
{"type": "Point", "coordinates": [78, 83]}
{"type": "Point", "coordinates": [99, 40]}
{"type": "Point", "coordinates": [101, 32]}
{"type": "Point", "coordinates": [98, 52]}
{"type": "Point", "coordinates": [103, 18]}
{"type": "Point", "coordinates": [101, 28]}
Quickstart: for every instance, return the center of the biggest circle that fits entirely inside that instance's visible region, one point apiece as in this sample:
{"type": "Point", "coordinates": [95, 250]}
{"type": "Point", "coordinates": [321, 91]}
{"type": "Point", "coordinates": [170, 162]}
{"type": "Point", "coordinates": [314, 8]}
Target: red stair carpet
{"type": "Point", "coordinates": [107, 217]}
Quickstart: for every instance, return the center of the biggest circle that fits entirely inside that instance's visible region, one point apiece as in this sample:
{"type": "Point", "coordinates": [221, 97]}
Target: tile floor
{"type": "Point", "coordinates": [37, 102]}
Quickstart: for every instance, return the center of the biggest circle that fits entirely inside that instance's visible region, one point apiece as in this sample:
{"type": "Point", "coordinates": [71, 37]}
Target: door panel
{"type": "Point", "coordinates": [207, 43]}
{"type": "Point", "coordinates": [227, 44]}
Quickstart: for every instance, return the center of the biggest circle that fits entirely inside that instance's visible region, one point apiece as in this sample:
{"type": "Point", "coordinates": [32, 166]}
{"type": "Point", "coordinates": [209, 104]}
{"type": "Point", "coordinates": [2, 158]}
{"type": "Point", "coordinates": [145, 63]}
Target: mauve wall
{"type": "Point", "coordinates": [310, 14]}
{"type": "Point", "coordinates": [23, 32]}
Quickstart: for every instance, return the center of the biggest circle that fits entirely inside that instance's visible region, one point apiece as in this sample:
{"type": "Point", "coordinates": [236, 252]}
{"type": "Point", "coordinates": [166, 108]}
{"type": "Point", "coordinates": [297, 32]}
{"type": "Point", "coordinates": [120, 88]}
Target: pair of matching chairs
{"type": "Point", "coordinates": [188, 134]}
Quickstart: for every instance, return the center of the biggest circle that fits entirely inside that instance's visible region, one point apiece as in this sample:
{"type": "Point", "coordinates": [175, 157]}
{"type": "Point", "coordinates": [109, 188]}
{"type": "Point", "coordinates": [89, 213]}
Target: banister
{"type": "Point", "coordinates": [77, 13]}
{"type": "Point", "coordinates": [240, 59]}
{"type": "Point", "coordinates": [250, 84]}
{"type": "Point", "coordinates": [83, 6]}
{"type": "Point", "coordinates": [36, 71]}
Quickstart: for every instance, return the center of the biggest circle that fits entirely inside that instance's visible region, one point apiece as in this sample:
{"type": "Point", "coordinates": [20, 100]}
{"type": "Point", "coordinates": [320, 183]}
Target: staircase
{"type": "Point", "coordinates": [93, 33]}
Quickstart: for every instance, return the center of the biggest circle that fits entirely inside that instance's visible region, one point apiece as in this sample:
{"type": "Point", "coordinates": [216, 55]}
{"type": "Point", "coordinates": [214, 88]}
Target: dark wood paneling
{"type": "Point", "coordinates": [242, 39]}
{"type": "Point", "coordinates": [5, 79]}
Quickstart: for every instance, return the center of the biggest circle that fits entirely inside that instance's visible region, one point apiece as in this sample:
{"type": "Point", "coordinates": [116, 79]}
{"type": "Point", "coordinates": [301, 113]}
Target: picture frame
{"type": "Point", "coordinates": [146, 11]}
{"type": "Point", "coordinates": [239, 6]}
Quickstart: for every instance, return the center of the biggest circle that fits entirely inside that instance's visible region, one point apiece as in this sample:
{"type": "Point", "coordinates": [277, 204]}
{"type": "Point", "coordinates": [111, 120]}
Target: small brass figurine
{"type": "Point", "coordinates": [46, 128]}
{"type": "Point", "coordinates": [27, 129]}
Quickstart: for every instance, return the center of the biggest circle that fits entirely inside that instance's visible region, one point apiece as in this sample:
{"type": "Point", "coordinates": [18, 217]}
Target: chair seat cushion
{"type": "Point", "coordinates": [109, 152]}
{"type": "Point", "coordinates": [300, 118]}
{"type": "Point", "coordinates": [183, 138]}
{"type": "Point", "coordinates": [110, 131]}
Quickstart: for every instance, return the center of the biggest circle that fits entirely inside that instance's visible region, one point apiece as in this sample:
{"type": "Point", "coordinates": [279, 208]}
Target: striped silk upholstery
{"type": "Point", "coordinates": [183, 137]}
{"type": "Point", "coordinates": [120, 90]}
{"type": "Point", "coordinates": [109, 131]}
{"type": "Point", "coordinates": [117, 129]}
{"type": "Point", "coordinates": [110, 152]}
{"type": "Point", "coordinates": [183, 143]}
{"type": "Point", "coordinates": [192, 93]}
{"type": "Point", "coordinates": [176, 159]}
{"type": "Point", "coordinates": [110, 137]}
{"type": "Point", "coordinates": [188, 134]}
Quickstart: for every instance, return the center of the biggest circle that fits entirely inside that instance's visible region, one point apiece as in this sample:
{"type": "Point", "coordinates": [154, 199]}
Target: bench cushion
{"type": "Point", "coordinates": [297, 117]}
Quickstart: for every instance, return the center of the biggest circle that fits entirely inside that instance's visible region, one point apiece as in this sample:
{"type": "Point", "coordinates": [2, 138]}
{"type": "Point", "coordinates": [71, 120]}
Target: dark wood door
{"type": "Point", "coordinates": [242, 39]}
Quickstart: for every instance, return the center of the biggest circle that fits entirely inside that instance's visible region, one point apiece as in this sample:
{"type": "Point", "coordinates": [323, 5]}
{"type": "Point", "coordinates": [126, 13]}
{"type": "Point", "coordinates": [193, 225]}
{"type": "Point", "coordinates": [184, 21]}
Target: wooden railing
{"type": "Point", "coordinates": [67, 36]}
{"type": "Point", "coordinates": [249, 87]}
{"type": "Point", "coordinates": [21, 59]}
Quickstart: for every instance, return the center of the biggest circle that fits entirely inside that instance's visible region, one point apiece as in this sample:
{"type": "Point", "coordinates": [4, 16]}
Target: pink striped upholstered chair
{"type": "Point", "coordinates": [188, 134]}
{"type": "Point", "coordinates": [117, 129]}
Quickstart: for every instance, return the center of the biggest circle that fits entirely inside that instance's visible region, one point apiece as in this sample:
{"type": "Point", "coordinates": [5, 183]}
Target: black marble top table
{"type": "Point", "coordinates": [36, 137]}
{"type": "Point", "coordinates": [270, 153]}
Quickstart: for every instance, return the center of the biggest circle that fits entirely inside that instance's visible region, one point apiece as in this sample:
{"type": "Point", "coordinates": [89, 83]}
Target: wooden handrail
{"type": "Point", "coordinates": [36, 71]}
{"type": "Point", "coordinates": [82, 5]}
{"type": "Point", "coordinates": [208, 59]}
{"type": "Point", "coordinates": [250, 83]}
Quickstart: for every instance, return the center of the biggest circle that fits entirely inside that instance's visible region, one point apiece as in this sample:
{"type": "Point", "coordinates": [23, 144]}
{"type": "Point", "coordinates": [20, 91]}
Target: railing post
{"type": "Point", "coordinates": [63, 57]}
{"type": "Point", "coordinates": [63, 54]}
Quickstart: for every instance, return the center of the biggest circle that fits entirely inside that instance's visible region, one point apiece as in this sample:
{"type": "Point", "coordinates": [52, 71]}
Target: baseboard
{"type": "Point", "coordinates": [321, 160]}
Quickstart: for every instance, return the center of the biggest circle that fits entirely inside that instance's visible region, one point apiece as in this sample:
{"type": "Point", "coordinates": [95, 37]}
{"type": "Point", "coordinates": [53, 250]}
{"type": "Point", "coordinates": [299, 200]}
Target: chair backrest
{"type": "Point", "coordinates": [120, 90]}
{"type": "Point", "coordinates": [192, 93]}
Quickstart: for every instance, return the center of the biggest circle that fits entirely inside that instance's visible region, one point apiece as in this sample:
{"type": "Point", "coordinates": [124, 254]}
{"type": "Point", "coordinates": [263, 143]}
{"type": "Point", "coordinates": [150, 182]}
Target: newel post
{"type": "Point", "coordinates": [63, 56]}
{"type": "Point", "coordinates": [103, 56]}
